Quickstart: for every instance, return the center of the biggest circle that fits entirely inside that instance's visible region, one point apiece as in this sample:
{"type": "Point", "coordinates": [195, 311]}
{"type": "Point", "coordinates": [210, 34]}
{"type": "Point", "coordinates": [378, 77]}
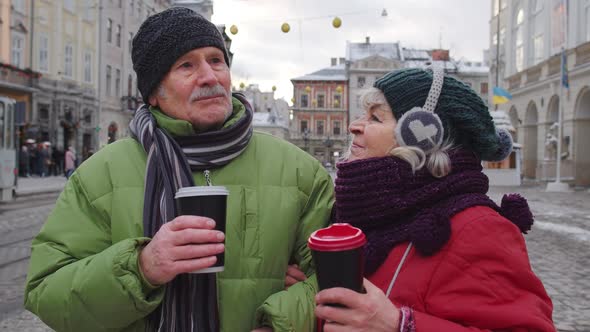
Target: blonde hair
{"type": "Point", "coordinates": [438, 162]}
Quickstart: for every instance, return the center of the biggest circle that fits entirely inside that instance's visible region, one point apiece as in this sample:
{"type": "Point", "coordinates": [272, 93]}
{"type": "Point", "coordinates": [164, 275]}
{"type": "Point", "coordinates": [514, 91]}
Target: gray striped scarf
{"type": "Point", "coordinates": [190, 300]}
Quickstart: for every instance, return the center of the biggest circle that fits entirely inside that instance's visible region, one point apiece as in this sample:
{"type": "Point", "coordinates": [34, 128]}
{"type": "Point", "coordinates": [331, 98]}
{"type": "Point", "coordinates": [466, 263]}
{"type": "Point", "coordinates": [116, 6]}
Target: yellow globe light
{"type": "Point", "coordinates": [285, 27]}
{"type": "Point", "coordinates": [336, 22]}
{"type": "Point", "coordinates": [314, 102]}
{"type": "Point", "coordinates": [307, 88]}
{"type": "Point", "coordinates": [339, 89]}
{"type": "Point", "coordinates": [293, 100]}
{"type": "Point", "coordinates": [242, 85]}
{"type": "Point", "coordinates": [336, 103]}
{"type": "Point", "coordinates": [274, 88]}
{"type": "Point", "coordinates": [233, 29]}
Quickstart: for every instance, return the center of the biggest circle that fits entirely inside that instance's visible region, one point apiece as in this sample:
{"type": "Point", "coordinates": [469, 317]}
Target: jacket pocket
{"type": "Point", "coordinates": [251, 226]}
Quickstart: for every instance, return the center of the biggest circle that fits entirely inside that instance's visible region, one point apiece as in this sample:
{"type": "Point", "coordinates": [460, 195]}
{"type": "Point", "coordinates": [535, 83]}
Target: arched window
{"type": "Point", "coordinates": [519, 40]}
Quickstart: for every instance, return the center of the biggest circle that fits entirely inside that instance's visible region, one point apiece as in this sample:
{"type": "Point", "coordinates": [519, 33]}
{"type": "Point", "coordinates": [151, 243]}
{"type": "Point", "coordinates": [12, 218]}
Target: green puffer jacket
{"type": "Point", "coordinates": [83, 273]}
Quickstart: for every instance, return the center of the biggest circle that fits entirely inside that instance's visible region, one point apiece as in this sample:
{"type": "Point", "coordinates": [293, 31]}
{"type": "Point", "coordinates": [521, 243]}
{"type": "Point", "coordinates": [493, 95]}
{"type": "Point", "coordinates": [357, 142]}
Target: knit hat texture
{"type": "Point", "coordinates": [464, 115]}
{"type": "Point", "coordinates": [163, 38]}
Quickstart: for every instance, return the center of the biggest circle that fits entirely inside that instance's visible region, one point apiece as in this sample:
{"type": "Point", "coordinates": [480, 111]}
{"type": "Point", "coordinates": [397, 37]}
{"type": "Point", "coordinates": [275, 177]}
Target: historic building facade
{"type": "Point", "coordinates": [17, 78]}
{"type": "Point", "coordinates": [528, 37]}
{"type": "Point", "coordinates": [320, 113]}
{"type": "Point", "coordinates": [270, 115]}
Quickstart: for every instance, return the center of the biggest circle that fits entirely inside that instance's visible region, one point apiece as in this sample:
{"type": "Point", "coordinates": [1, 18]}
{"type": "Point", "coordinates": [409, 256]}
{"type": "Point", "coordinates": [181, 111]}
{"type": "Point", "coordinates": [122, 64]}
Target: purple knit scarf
{"type": "Point", "coordinates": [392, 205]}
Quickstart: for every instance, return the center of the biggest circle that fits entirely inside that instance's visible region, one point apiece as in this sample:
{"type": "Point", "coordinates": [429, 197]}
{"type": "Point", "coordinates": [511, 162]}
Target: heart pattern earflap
{"type": "Point", "coordinates": [421, 127]}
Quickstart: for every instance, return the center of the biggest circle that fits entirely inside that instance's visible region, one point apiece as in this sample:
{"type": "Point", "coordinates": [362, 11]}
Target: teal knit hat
{"type": "Point", "coordinates": [464, 116]}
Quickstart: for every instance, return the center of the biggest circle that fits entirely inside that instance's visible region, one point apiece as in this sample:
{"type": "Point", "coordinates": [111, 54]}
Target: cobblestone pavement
{"type": "Point", "coordinates": [558, 248]}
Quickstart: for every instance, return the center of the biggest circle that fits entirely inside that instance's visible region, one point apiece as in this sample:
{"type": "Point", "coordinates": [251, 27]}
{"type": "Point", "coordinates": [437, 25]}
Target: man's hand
{"type": "Point", "coordinates": [185, 244]}
{"type": "Point", "coordinates": [294, 275]}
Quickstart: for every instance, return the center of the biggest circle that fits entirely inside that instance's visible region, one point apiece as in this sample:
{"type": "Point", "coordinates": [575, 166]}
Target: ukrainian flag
{"type": "Point", "coordinates": [501, 96]}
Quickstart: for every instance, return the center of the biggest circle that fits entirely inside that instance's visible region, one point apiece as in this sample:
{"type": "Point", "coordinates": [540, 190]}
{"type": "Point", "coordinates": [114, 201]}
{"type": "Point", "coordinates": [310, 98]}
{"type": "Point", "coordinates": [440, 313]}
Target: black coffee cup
{"type": "Point", "coordinates": [338, 254]}
{"type": "Point", "coordinates": [205, 201]}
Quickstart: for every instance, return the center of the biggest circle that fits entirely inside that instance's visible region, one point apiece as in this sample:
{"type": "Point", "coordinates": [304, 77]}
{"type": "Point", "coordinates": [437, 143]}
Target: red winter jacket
{"type": "Point", "coordinates": [480, 280]}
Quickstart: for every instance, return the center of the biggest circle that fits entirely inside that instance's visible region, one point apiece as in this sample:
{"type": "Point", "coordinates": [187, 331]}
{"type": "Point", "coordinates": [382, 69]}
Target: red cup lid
{"type": "Point", "coordinates": [336, 237]}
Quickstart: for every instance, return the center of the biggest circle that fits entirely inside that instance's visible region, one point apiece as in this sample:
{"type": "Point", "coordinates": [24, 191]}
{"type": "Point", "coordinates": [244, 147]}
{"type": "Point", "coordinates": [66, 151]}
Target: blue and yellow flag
{"type": "Point", "coordinates": [501, 96]}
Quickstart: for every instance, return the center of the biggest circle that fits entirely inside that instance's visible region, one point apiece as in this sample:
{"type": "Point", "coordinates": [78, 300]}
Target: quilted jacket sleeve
{"type": "Point", "coordinates": [78, 280]}
{"type": "Point", "coordinates": [292, 310]}
{"type": "Point", "coordinates": [485, 282]}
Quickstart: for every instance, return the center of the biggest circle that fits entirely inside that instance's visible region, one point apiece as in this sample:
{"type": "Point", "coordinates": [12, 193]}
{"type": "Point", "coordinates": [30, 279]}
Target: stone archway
{"type": "Point", "coordinates": [581, 138]}
{"type": "Point", "coordinates": [531, 120]}
{"type": "Point", "coordinates": [551, 131]}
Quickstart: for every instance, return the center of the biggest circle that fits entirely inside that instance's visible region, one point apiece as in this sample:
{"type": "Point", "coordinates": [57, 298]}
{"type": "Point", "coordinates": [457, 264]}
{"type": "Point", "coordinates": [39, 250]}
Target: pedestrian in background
{"type": "Point", "coordinates": [70, 161]}
{"type": "Point", "coordinates": [23, 162]}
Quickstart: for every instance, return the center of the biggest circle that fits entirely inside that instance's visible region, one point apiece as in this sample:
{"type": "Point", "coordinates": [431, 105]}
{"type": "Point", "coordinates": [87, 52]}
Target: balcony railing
{"type": "Point", "coordinates": [17, 76]}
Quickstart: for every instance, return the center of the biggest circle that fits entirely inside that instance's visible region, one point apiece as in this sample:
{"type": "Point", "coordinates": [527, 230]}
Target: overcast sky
{"type": "Point", "coordinates": [266, 56]}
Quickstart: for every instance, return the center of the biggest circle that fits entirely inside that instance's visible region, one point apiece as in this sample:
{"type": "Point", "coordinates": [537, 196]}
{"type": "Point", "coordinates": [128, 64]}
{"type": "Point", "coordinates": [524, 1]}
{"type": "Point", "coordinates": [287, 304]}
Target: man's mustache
{"type": "Point", "coordinates": [207, 91]}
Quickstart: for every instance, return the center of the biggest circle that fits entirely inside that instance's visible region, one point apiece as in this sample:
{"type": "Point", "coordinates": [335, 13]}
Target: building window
{"type": "Point", "coordinates": [336, 128]}
{"type": "Point", "coordinates": [360, 82]}
{"type": "Point", "coordinates": [321, 101]}
{"type": "Point", "coordinates": [588, 23]}
{"type": "Point", "coordinates": [537, 32]}
{"type": "Point", "coordinates": [337, 101]}
{"type": "Point", "coordinates": [87, 67]}
{"type": "Point", "coordinates": [18, 44]}
{"type": "Point", "coordinates": [69, 5]}
{"type": "Point", "coordinates": [503, 4]}
{"type": "Point", "coordinates": [118, 39]}
{"type": "Point", "coordinates": [131, 7]}
{"type": "Point", "coordinates": [129, 85]}
{"type": "Point", "coordinates": [68, 61]}
{"type": "Point", "coordinates": [19, 5]}
{"type": "Point", "coordinates": [43, 53]}
{"type": "Point", "coordinates": [118, 82]}
{"type": "Point", "coordinates": [139, 9]}
{"type": "Point", "coordinates": [89, 10]}
{"type": "Point", "coordinates": [483, 88]}
{"type": "Point", "coordinates": [109, 30]}
{"type": "Point", "coordinates": [303, 126]}
{"type": "Point", "coordinates": [519, 41]}
{"type": "Point", "coordinates": [502, 35]}
{"type": "Point", "coordinates": [130, 41]}
{"type": "Point", "coordinates": [538, 49]}
{"type": "Point", "coordinates": [495, 39]}
{"type": "Point", "coordinates": [108, 81]}
{"type": "Point", "coordinates": [319, 125]}
{"type": "Point", "coordinates": [305, 100]}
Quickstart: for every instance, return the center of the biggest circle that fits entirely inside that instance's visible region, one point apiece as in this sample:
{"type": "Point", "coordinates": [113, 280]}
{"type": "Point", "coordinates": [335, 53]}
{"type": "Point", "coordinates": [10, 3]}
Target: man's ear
{"type": "Point", "coordinates": [153, 100]}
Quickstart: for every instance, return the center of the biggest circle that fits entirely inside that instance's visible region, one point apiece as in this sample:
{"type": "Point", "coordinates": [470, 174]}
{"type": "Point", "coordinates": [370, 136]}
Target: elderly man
{"type": "Point", "coordinates": [114, 256]}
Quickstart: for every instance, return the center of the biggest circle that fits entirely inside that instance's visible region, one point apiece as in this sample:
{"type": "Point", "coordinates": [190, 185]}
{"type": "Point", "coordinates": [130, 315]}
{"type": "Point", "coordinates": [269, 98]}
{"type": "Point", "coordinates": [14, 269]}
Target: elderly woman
{"type": "Point", "coordinates": [441, 255]}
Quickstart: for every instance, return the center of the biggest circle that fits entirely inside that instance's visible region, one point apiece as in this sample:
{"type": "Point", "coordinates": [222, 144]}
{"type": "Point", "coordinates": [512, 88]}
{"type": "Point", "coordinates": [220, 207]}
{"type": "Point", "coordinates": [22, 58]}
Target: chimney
{"type": "Point", "coordinates": [367, 40]}
{"type": "Point", "coordinates": [440, 55]}
{"type": "Point", "coordinates": [334, 61]}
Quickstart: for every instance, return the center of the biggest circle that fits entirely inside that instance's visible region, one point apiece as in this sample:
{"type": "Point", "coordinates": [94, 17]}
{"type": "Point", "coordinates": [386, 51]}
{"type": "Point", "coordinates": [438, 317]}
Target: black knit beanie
{"type": "Point", "coordinates": [163, 38]}
{"type": "Point", "coordinates": [464, 115]}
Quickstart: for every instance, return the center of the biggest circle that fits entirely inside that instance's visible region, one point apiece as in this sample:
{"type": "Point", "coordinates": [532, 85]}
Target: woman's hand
{"type": "Point", "coordinates": [263, 329]}
{"type": "Point", "coordinates": [294, 275]}
{"type": "Point", "coordinates": [372, 311]}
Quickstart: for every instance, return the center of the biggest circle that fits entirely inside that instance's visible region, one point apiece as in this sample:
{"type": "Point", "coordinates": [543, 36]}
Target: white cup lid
{"type": "Point", "coordinates": [202, 191]}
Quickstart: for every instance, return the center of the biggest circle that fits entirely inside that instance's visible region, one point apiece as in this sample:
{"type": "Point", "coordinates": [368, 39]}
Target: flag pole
{"type": "Point", "coordinates": [559, 186]}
